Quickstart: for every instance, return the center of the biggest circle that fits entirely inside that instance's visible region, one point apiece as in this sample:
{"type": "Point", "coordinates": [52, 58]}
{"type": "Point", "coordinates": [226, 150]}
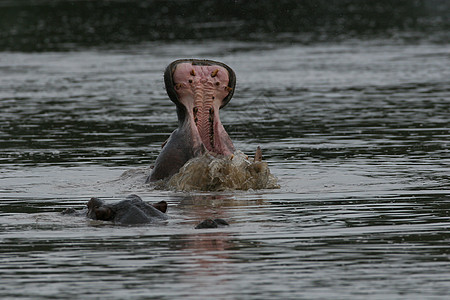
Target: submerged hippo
{"type": "Point", "coordinates": [199, 88]}
{"type": "Point", "coordinates": [130, 211]}
{"type": "Point", "coordinates": [210, 223]}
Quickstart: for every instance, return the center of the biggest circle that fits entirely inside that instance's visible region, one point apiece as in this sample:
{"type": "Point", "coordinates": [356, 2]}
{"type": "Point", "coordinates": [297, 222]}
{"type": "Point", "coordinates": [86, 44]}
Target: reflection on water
{"type": "Point", "coordinates": [356, 132]}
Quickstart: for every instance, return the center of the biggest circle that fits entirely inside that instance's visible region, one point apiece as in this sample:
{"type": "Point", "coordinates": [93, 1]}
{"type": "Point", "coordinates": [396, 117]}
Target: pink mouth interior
{"type": "Point", "coordinates": [201, 89]}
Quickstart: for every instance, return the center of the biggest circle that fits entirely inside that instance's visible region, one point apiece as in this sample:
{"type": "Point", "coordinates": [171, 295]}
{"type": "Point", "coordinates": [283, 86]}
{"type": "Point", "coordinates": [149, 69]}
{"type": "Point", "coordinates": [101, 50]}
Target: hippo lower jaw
{"type": "Point", "coordinates": [199, 88]}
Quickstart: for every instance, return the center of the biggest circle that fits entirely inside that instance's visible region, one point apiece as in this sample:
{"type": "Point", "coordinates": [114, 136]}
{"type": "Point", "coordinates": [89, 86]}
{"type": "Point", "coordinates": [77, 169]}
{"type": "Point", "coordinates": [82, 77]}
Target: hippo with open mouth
{"type": "Point", "coordinates": [199, 89]}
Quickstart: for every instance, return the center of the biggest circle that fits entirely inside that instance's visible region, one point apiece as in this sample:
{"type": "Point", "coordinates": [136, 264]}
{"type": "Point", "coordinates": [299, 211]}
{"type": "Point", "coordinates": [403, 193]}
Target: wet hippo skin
{"type": "Point", "coordinates": [210, 223]}
{"type": "Point", "coordinates": [130, 211]}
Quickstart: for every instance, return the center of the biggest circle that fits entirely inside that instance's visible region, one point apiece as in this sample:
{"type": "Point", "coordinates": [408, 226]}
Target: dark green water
{"type": "Point", "coordinates": [356, 129]}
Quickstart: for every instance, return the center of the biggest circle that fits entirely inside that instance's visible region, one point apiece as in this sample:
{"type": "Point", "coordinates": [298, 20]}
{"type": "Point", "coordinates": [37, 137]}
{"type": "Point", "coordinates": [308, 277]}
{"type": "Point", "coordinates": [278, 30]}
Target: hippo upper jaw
{"type": "Point", "coordinates": [199, 88]}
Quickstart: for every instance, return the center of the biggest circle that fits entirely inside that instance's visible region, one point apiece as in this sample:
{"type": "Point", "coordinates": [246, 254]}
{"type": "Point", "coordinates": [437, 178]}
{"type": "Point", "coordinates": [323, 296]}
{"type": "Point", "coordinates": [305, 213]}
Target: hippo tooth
{"type": "Point", "coordinates": [214, 73]}
{"type": "Point", "coordinates": [258, 154]}
{"type": "Point", "coordinates": [195, 114]}
{"type": "Point", "coordinates": [211, 128]}
{"type": "Point", "coordinates": [228, 88]}
{"type": "Point", "coordinates": [178, 86]}
{"type": "Point", "coordinates": [211, 115]}
{"type": "Point", "coordinates": [193, 72]}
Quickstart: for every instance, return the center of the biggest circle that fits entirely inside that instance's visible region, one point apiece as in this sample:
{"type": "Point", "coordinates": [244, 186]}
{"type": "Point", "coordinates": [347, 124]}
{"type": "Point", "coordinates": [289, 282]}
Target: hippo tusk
{"type": "Point", "coordinates": [258, 155]}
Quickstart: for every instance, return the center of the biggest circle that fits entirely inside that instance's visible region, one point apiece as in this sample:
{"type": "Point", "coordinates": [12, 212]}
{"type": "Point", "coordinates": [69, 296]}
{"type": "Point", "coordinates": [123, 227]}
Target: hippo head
{"type": "Point", "coordinates": [97, 210]}
{"type": "Point", "coordinates": [132, 210]}
{"type": "Point", "coordinates": [199, 89]}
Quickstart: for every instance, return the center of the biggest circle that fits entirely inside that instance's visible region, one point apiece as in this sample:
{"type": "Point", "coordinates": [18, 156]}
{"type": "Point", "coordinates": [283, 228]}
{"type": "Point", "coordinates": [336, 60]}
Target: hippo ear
{"type": "Point", "coordinates": [94, 202]}
{"type": "Point", "coordinates": [161, 206]}
{"type": "Point", "coordinates": [103, 213]}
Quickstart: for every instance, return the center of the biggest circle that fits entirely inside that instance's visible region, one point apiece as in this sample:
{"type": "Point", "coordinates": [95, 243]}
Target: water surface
{"type": "Point", "coordinates": [357, 133]}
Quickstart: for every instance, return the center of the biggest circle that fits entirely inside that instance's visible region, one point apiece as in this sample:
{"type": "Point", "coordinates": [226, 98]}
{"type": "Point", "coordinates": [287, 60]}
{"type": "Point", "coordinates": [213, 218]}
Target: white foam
{"type": "Point", "coordinates": [209, 173]}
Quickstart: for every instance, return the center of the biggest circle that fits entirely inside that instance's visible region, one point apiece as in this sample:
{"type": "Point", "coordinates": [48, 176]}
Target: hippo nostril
{"type": "Point", "coordinates": [217, 83]}
{"type": "Point", "coordinates": [190, 80]}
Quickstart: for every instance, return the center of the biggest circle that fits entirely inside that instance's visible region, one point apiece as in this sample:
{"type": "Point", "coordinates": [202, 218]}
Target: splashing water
{"type": "Point", "coordinates": [209, 173]}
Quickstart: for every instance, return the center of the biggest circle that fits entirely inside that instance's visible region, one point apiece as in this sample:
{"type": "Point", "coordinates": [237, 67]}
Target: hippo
{"type": "Point", "coordinates": [132, 211]}
{"type": "Point", "coordinates": [199, 89]}
{"type": "Point", "coordinates": [212, 223]}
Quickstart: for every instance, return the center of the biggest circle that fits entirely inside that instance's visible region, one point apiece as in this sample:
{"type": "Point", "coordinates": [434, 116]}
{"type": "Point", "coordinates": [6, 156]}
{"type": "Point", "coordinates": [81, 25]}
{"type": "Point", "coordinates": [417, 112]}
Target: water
{"type": "Point", "coordinates": [357, 132]}
{"type": "Point", "coordinates": [209, 173]}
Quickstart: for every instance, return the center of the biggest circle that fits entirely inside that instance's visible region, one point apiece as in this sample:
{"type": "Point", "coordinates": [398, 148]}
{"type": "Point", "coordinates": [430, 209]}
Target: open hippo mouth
{"type": "Point", "coordinates": [199, 88]}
